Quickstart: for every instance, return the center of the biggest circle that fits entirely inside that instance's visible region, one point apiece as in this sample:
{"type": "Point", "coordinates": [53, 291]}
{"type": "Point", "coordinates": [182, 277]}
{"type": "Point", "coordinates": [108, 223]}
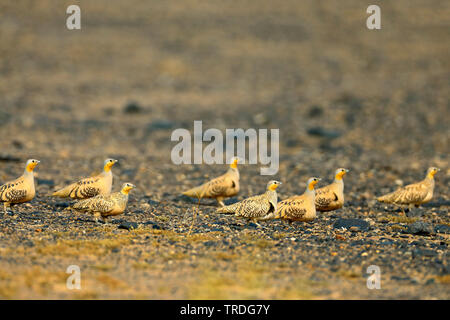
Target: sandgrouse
{"type": "Point", "coordinates": [106, 206]}
{"type": "Point", "coordinates": [90, 187]}
{"type": "Point", "coordinates": [225, 186]}
{"type": "Point", "coordinates": [331, 197]}
{"type": "Point", "coordinates": [20, 190]}
{"type": "Point", "coordinates": [299, 208]}
{"type": "Point", "coordinates": [260, 207]}
{"type": "Point", "coordinates": [413, 194]}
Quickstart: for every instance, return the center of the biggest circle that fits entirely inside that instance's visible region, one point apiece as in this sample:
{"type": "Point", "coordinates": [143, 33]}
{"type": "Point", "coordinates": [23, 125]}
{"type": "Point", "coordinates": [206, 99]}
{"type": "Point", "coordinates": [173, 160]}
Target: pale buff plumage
{"type": "Point", "coordinates": [299, 208]}
{"type": "Point", "coordinates": [21, 189]}
{"type": "Point", "coordinates": [261, 207]}
{"type": "Point", "coordinates": [90, 187]}
{"type": "Point", "coordinates": [106, 206]}
{"type": "Point", "coordinates": [413, 194]}
{"type": "Point", "coordinates": [225, 186]}
{"type": "Point", "coordinates": [331, 197]}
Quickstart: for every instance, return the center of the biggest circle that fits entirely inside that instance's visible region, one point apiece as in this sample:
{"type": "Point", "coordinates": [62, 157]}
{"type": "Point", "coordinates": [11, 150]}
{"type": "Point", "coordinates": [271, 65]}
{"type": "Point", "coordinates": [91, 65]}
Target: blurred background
{"type": "Point", "coordinates": [139, 69]}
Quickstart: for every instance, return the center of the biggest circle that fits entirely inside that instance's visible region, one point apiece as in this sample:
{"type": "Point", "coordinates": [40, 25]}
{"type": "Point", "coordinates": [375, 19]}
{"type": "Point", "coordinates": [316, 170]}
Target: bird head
{"type": "Point", "coordinates": [340, 173]}
{"type": "Point", "coordinates": [312, 182]}
{"type": "Point", "coordinates": [432, 171]}
{"type": "Point", "coordinates": [31, 164]}
{"type": "Point", "coordinates": [234, 162]}
{"type": "Point", "coordinates": [126, 187]}
{"type": "Point", "coordinates": [108, 164]}
{"type": "Point", "coordinates": [273, 185]}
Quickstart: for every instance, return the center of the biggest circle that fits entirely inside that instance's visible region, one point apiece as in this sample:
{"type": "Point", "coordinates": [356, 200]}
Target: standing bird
{"type": "Point", "coordinates": [299, 208]}
{"type": "Point", "coordinates": [90, 187]}
{"type": "Point", "coordinates": [261, 207]}
{"type": "Point", "coordinates": [106, 206]}
{"type": "Point", "coordinates": [413, 194]}
{"type": "Point", "coordinates": [225, 186]}
{"type": "Point", "coordinates": [20, 190]}
{"type": "Point", "coordinates": [331, 197]}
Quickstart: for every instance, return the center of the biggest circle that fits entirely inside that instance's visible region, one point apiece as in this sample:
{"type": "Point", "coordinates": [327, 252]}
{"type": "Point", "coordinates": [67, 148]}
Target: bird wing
{"type": "Point", "coordinates": [254, 207]}
{"type": "Point", "coordinates": [213, 188]}
{"type": "Point", "coordinates": [413, 193]}
{"type": "Point", "coordinates": [98, 203]}
{"type": "Point", "coordinates": [293, 207]}
{"type": "Point", "coordinates": [325, 196]}
{"type": "Point", "coordinates": [86, 188]}
{"type": "Point", "coordinates": [13, 191]}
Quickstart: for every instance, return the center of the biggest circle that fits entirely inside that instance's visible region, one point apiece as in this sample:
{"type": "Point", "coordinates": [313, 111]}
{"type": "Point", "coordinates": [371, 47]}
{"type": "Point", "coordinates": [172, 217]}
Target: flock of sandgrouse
{"type": "Point", "coordinates": [94, 195]}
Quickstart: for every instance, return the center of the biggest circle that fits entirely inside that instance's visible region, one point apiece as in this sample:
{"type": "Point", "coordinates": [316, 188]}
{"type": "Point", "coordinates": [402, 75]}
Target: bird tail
{"type": "Point", "coordinates": [227, 209]}
{"type": "Point", "coordinates": [385, 198]}
{"type": "Point", "coordinates": [196, 192]}
{"type": "Point", "coordinates": [81, 205]}
{"type": "Point", "coordinates": [64, 192]}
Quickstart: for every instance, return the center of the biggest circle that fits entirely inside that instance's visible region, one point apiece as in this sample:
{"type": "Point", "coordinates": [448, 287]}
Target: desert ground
{"type": "Point", "coordinates": [373, 101]}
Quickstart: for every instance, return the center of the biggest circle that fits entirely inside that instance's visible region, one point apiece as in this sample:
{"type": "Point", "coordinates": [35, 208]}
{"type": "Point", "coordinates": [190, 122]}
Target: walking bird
{"type": "Point", "coordinates": [106, 206]}
{"type": "Point", "coordinates": [413, 194]}
{"type": "Point", "coordinates": [225, 186]}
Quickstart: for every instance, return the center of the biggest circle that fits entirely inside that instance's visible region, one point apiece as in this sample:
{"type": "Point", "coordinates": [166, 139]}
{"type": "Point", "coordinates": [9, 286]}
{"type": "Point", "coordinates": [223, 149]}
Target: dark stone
{"type": "Point", "coordinates": [419, 228]}
{"type": "Point", "coordinates": [128, 225]}
{"type": "Point", "coordinates": [160, 125]}
{"type": "Point", "coordinates": [9, 158]}
{"type": "Point", "coordinates": [424, 253]}
{"type": "Point", "coordinates": [252, 225]}
{"type": "Point", "coordinates": [46, 182]}
{"type": "Point", "coordinates": [315, 111]}
{"type": "Point", "coordinates": [154, 225]}
{"type": "Point", "coordinates": [62, 205]}
{"type": "Point", "coordinates": [209, 243]}
{"type": "Point", "coordinates": [358, 224]}
{"type": "Point", "coordinates": [442, 228]}
{"type": "Point", "coordinates": [324, 133]}
{"type": "Point", "coordinates": [415, 212]}
{"type": "Point", "coordinates": [132, 108]}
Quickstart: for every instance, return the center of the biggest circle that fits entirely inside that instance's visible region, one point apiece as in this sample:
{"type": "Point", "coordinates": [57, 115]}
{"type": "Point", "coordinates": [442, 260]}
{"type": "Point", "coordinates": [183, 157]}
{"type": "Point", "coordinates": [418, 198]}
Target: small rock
{"type": "Point", "coordinates": [154, 225]}
{"type": "Point", "coordinates": [128, 225]}
{"type": "Point", "coordinates": [324, 133]}
{"type": "Point", "coordinates": [442, 228]}
{"type": "Point", "coordinates": [356, 224]}
{"type": "Point", "coordinates": [132, 108]}
{"type": "Point", "coordinates": [419, 228]}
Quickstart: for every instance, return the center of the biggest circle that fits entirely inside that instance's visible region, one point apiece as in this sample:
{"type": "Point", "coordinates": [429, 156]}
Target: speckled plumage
{"type": "Point", "coordinates": [21, 189]}
{"type": "Point", "coordinates": [413, 194]}
{"type": "Point", "coordinates": [90, 187]}
{"type": "Point", "coordinates": [225, 186]}
{"type": "Point", "coordinates": [331, 197]}
{"type": "Point", "coordinates": [105, 206]}
{"type": "Point", "coordinates": [299, 208]}
{"type": "Point", "coordinates": [260, 207]}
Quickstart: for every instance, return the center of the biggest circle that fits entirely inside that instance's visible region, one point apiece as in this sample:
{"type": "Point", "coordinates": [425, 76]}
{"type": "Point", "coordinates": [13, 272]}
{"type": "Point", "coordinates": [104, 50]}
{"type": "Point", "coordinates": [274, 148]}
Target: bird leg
{"type": "Point", "coordinates": [97, 216]}
{"type": "Point", "coordinates": [6, 205]}
{"type": "Point", "coordinates": [256, 222]}
{"type": "Point", "coordinates": [220, 201]}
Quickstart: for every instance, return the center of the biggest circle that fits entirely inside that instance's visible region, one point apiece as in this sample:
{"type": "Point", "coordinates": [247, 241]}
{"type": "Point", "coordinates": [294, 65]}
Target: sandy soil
{"type": "Point", "coordinates": [376, 102]}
